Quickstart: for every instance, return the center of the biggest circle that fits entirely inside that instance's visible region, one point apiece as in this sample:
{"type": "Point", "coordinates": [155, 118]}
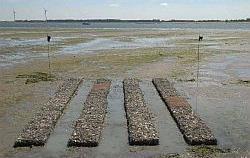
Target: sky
{"type": "Point", "coordinates": [125, 9]}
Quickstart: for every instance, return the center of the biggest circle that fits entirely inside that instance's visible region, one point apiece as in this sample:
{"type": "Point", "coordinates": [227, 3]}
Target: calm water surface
{"type": "Point", "coordinates": [120, 25]}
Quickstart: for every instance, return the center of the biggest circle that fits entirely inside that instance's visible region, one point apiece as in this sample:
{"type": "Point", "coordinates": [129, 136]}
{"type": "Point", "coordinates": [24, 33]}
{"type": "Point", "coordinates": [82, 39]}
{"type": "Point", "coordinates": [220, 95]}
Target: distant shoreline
{"type": "Point", "coordinates": [132, 21]}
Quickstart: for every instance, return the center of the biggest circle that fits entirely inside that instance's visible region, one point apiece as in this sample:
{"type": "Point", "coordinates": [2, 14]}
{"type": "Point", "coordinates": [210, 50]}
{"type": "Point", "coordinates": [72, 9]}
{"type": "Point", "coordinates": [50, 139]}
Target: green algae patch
{"type": "Point", "coordinates": [37, 77]}
{"type": "Point", "coordinates": [243, 82]}
{"type": "Point", "coordinates": [237, 82]}
{"type": "Point", "coordinates": [174, 155]}
{"type": "Point", "coordinates": [74, 41]}
{"type": "Point", "coordinates": [206, 151]}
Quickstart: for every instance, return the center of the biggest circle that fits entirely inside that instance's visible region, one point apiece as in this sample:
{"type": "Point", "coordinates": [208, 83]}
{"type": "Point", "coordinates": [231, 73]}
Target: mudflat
{"type": "Point", "coordinates": [221, 99]}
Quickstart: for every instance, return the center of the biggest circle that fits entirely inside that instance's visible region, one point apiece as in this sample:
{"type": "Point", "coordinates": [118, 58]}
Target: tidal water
{"type": "Point", "coordinates": [121, 25]}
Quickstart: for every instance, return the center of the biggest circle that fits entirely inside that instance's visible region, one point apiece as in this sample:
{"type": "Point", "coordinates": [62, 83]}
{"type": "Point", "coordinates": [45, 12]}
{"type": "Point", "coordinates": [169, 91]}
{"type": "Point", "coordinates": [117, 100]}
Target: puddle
{"type": "Point", "coordinates": [225, 108]}
{"type": "Point", "coordinates": [226, 116]}
{"type": "Point", "coordinates": [27, 42]}
{"type": "Point", "coordinates": [114, 142]}
{"type": "Point", "coordinates": [224, 68]}
{"type": "Point", "coordinates": [7, 60]}
{"type": "Point", "coordinates": [171, 139]}
{"type": "Point", "coordinates": [10, 59]}
{"type": "Point", "coordinates": [57, 142]}
{"type": "Point", "coordinates": [21, 55]}
{"type": "Point", "coordinates": [243, 72]}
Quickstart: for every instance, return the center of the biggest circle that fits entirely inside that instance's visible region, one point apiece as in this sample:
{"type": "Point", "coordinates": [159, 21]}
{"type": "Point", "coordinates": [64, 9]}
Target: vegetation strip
{"type": "Point", "coordinates": [37, 131]}
{"type": "Point", "coordinates": [141, 129]}
{"type": "Point", "coordinates": [88, 127]}
{"type": "Point", "coordinates": [194, 130]}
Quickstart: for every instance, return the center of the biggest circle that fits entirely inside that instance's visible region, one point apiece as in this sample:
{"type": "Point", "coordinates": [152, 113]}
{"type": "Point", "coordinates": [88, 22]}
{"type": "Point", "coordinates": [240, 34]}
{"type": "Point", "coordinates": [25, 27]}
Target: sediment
{"type": "Point", "coordinates": [88, 127]}
{"type": "Point", "coordinates": [37, 131]}
{"type": "Point", "coordinates": [193, 128]}
{"type": "Point", "coordinates": [141, 129]}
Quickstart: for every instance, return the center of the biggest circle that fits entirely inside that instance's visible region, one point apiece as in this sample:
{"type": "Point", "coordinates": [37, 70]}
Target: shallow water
{"type": "Point", "coordinates": [20, 56]}
{"type": "Point", "coordinates": [10, 59]}
{"type": "Point", "coordinates": [114, 140]}
{"type": "Point", "coordinates": [225, 108]}
{"type": "Point", "coordinates": [243, 72]}
{"type": "Point", "coordinates": [7, 42]}
{"type": "Point", "coordinates": [171, 139]}
{"type": "Point", "coordinates": [28, 42]}
{"type": "Point", "coordinates": [131, 25]}
{"type": "Point", "coordinates": [57, 142]}
{"type": "Point", "coordinates": [18, 52]}
{"type": "Point", "coordinates": [107, 44]}
{"type": "Point", "coordinates": [224, 68]}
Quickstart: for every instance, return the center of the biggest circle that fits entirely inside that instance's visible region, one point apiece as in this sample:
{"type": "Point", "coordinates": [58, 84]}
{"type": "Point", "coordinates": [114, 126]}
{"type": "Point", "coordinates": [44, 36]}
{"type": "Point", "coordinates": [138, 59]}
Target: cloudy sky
{"type": "Point", "coordinates": [126, 9]}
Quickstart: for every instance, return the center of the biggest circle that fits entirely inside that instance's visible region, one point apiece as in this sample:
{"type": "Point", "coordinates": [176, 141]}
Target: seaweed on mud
{"type": "Point", "coordinates": [245, 82]}
{"type": "Point", "coordinates": [186, 80]}
{"type": "Point", "coordinates": [37, 77]}
{"type": "Point", "coordinates": [206, 151]}
{"type": "Point", "coordinates": [238, 82]}
{"type": "Point", "coordinates": [174, 155]}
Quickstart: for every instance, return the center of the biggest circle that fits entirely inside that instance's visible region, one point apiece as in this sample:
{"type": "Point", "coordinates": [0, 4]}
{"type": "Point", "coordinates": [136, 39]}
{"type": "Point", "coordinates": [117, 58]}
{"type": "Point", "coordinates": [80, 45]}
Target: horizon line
{"type": "Point", "coordinates": [103, 19]}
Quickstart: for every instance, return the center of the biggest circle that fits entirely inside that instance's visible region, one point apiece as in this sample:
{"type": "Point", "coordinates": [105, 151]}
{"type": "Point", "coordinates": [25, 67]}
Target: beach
{"type": "Point", "coordinates": [30, 75]}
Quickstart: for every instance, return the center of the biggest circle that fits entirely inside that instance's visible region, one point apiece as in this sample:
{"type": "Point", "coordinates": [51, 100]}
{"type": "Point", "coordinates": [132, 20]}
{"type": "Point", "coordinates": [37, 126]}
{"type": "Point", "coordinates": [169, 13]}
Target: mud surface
{"type": "Point", "coordinates": [223, 93]}
{"type": "Point", "coordinates": [224, 104]}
